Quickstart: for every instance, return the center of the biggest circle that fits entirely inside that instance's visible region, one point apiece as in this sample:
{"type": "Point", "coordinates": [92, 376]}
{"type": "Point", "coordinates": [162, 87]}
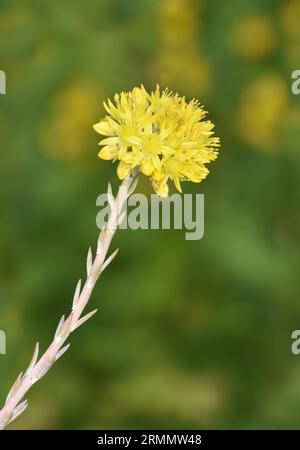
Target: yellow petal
{"type": "Point", "coordinates": [161, 189]}
{"type": "Point", "coordinates": [177, 184]}
{"type": "Point", "coordinates": [123, 170]}
{"type": "Point", "coordinates": [109, 141]}
{"type": "Point", "coordinates": [128, 157]}
{"type": "Point", "coordinates": [158, 175]}
{"type": "Point", "coordinates": [108, 152]}
{"type": "Point", "coordinates": [147, 166]}
{"type": "Point", "coordinates": [134, 140]}
{"type": "Point", "coordinates": [104, 128]}
{"type": "Point", "coordinates": [196, 174]}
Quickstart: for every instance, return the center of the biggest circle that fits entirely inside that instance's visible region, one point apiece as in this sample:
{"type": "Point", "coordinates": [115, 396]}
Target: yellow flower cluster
{"type": "Point", "coordinates": [159, 133]}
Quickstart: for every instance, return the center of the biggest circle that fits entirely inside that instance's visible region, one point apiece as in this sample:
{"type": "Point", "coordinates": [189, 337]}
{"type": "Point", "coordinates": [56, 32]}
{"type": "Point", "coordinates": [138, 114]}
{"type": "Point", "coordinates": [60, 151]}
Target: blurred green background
{"type": "Point", "coordinates": [188, 333]}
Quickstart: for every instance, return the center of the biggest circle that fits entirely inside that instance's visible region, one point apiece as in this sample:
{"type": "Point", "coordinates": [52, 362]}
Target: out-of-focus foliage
{"type": "Point", "coordinates": [189, 333]}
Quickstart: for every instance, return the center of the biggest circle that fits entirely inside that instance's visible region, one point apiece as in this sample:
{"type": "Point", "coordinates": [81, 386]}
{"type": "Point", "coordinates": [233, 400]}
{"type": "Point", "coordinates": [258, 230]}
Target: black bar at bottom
{"type": "Point", "coordinates": [202, 439]}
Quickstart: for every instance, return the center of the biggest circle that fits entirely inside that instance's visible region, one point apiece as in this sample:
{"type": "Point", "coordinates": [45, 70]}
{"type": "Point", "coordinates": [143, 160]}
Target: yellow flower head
{"type": "Point", "coordinates": [159, 133]}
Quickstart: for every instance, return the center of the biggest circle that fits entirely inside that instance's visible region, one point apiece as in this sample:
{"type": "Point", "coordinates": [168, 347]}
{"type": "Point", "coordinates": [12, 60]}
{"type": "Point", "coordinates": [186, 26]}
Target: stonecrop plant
{"type": "Point", "coordinates": [160, 135]}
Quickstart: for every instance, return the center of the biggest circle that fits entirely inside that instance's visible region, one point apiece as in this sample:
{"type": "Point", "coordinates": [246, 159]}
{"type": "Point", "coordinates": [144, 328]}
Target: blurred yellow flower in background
{"type": "Point", "coordinates": [12, 19]}
{"type": "Point", "coordinates": [65, 134]}
{"type": "Point", "coordinates": [254, 37]}
{"type": "Point", "coordinates": [161, 134]}
{"type": "Point", "coordinates": [180, 60]}
{"type": "Point", "coordinates": [180, 22]}
{"type": "Point", "coordinates": [260, 113]}
{"type": "Point", "coordinates": [290, 19]}
{"type": "Point", "coordinates": [290, 15]}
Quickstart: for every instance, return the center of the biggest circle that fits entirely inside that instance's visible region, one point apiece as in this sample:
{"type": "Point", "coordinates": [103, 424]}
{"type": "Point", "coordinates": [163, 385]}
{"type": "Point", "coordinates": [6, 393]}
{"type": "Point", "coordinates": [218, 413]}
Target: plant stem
{"type": "Point", "coordinates": [38, 368]}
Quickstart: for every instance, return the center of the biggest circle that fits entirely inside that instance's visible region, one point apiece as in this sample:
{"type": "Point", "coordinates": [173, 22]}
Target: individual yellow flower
{"type": "Point", "coordinates": [180, 58]}
{"type": "Point", "coordinates": [260, 110]}
{"type": "Point", "coordinates": [159, 133]}
{"type": "Point", "coordinates": [290, 16]}
{"type": "Point", "coordinates": [254, 37]}
{"type": "Point", "coordinates": [65, 131]}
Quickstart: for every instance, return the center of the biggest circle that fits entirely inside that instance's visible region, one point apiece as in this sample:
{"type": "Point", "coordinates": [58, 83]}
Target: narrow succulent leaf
{"type": "Point", "coordinates": [42, 372]}
{"type": "Point", "coordinates": [89, 261]}
{"type": "Point", "coordinates": [132, 187]}
{"type": "Point", "coordinates": [19, 410]}
{"type": "Point", "coordinates": [64, 330]}
{"type": "Point", "coordinates": [121, 218]}
{"type": "Point", "coordinates": [109, 259]}
{"type": "Point", "coordinates": [3, 424]}
{"type": "Point", "coordinates": [14, 388]}
{"type": "Point", "coordinates": [33, 359]}
{"type": "Point", "coordinates": [92, 280]}
{"type": "Point", "coordinates": [76, 294]}
{"type": "Point", "coordinates": [83, 320]}
{"type": "Point", "coordinates": [101, 240]}
{"type": "Point", "coordinates": [62, 351]}
{"type": "Point", "coordinates": [59, 327]}
{"type": "Point", "coordinates": [110, 197]}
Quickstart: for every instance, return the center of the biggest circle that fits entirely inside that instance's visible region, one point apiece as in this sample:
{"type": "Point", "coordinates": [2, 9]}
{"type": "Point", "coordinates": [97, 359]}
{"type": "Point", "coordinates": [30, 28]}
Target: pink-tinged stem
{"type": "Point", "coordinates": [13, 408]}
